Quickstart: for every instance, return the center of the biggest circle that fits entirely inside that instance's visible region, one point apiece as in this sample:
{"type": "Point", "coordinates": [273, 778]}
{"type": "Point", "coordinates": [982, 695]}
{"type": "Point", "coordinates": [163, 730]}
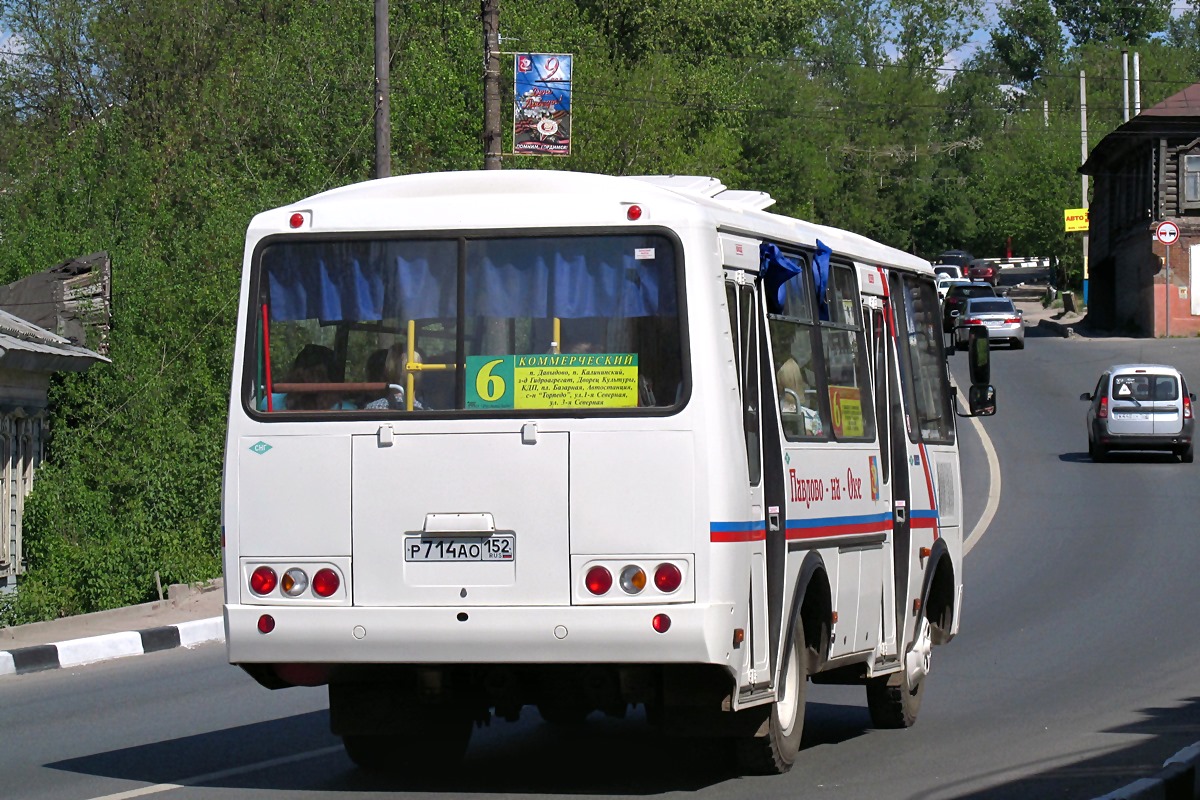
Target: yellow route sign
{"type": "Point", "coordinates": [1076, 219]}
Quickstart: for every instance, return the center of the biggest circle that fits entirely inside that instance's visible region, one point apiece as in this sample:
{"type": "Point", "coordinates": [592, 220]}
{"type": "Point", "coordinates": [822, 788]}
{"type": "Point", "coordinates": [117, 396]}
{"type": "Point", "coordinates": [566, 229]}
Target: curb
{"type": "Point", "coordinates": [1179, 779]}
{"type": "Point", "coordinates": [1066, 331]}
{"type": "Point", "coordinates": [75, 652]}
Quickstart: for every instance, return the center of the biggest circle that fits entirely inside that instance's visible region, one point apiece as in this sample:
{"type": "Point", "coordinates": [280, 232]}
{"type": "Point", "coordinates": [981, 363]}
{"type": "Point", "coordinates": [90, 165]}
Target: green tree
{"type": "Point", "coordinates": [1111, 20]}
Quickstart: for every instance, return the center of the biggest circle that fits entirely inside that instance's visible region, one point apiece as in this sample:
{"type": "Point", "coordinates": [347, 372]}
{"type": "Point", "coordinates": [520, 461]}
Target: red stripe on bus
{"type": "Point", "coordinates": [738, 536]}
{"type": "Point", "coordinates": [826, 531]}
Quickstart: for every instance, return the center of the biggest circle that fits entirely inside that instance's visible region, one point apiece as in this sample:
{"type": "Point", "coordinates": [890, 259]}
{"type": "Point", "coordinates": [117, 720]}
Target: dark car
{"type": "Point", "coordinates": [956, 300]}
{"type": "Point", "coordinates": [980, 270]}
{"type": "Point", "coordinates": [1140, 407]}
{"type": "Point", "coordinates": [959, 258]}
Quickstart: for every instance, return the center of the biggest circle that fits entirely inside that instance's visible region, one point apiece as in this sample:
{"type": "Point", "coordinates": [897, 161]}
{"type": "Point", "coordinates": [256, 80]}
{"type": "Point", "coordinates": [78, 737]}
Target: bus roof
{"type": "Point", "coordinates": [472, 199]}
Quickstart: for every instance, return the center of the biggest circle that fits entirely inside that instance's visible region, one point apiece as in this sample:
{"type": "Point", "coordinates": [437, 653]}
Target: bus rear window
{"type": "Point", "coordinates": [569, 324]}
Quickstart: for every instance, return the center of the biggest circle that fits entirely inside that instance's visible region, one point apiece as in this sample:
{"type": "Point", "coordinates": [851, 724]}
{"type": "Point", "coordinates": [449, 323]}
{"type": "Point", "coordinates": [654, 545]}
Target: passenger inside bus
{"type": "Point", "coordinates": [396, 376]}
{"type": "Point", "coordinates": [794, 383]}
{"type": "Point", "coordinates": [315, 363]}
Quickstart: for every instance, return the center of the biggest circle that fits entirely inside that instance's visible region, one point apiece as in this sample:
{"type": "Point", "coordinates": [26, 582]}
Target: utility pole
{"type": "Point", "coordinates": [383, 90]}
{"type": "Point", "coordinates": [1137, 85]}
{"type": "Point", "coordinates": [491, 83]}
{"type": "Point", "coordinates": [1125, 85]}
{"type": "Point", "coordinates": [1083, 160]}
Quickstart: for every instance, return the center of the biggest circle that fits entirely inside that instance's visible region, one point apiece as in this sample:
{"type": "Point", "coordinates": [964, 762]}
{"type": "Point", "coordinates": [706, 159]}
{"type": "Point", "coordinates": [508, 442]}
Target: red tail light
{"type": "Point", "coordinates": [972, 322]}
{"type": "Point", "coordinates": [661, 623]}
{"type": "Point", "coordinates": [326, 582]}
{"type": "Point", "coordinates": [1102, 411]}
{"type": "Point", "coordinates": [263, 580]}
{"type": "Point", "coordinates": [1012, 321]}
{"type": "Point", "coordinates": [667, 578]}
{"type": "Point", "coordinates": [598, 580]}
{"type": "Point", "coordinates": [1187, 407]}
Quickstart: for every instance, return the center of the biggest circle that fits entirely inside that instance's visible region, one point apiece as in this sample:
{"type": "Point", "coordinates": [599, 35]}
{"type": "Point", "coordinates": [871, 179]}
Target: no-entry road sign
{"type": "Point", "coordinates": [1167, 232]}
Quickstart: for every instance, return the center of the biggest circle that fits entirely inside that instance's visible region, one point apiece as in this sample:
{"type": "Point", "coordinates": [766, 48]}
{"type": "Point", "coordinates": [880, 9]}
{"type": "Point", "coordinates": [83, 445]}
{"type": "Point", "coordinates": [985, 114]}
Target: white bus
{"type": "Point", "coordinates": [579, 442]}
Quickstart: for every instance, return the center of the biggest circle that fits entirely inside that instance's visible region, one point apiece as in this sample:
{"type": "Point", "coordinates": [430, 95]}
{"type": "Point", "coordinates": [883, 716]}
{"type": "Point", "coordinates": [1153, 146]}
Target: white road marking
{"type": "Point", "coordinates": [221, 774]}
{"type": "Point", "coordinates": [994, 485]}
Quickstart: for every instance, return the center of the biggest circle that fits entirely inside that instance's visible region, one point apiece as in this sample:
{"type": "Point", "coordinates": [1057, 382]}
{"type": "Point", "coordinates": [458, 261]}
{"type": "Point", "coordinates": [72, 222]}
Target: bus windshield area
{"type": "Point", "coordinates": [573, 324]}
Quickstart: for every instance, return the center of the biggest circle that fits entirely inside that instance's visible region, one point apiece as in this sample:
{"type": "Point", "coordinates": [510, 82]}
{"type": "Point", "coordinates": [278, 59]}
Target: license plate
{"type": "Point", "coordinates": [460, 548]}
{"type": "Point", "coordinates": [1134, 416]}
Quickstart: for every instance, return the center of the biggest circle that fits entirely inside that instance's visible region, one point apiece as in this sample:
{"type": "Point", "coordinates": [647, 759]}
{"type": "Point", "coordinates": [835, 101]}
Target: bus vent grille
{"type": "Point", "coordinates": [946, 494]}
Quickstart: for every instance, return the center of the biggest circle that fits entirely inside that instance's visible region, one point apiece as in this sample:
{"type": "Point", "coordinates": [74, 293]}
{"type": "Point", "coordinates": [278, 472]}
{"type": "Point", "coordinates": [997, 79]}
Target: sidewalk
{"type": "Point", "coordinates": [1053, 321]}
{"type": "Point", "coordinates": [190, 615]}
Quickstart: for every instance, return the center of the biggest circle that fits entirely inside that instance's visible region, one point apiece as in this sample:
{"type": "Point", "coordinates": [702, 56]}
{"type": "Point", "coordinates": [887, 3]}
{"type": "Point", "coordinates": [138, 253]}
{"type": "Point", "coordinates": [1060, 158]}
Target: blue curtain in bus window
{"type": "Point", "coordinates": [820, 266]}
{"type": "Point", "coordinates": [776, 270]}
{"type": "Point", "coordinates": [570, 278]}
{"type": "Point", "coordinates": [354, 281]}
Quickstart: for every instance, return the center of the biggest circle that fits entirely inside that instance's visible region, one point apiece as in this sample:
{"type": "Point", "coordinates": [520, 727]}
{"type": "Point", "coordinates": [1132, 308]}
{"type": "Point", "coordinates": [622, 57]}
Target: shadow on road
{"type": "Point", "coordinates": [1163, 732]}
{"type": "Point", "coordinates": [601, 756]}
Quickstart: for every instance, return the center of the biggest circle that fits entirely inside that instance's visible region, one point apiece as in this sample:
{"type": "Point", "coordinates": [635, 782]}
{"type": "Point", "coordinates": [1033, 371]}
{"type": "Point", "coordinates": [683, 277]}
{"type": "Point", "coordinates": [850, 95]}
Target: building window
{"type": "Point", "coordinates": [1190, 187]}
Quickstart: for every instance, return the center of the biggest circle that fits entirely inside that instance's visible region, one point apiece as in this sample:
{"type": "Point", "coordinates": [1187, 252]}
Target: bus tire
{"type": "Point", "coordinates": [773, 749]}
{"type": "Point", "coordinates": [429, 742]}
{"type": "Point", "coordinates": [895, 700]}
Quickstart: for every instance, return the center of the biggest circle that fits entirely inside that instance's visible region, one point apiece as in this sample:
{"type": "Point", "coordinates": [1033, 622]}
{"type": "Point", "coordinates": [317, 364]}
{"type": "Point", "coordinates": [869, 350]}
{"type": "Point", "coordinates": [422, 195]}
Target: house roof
{"type": "Point", "coordinates": [1176, 116]}
{"type": "Point", "coordinates": [25, 346]}
{"type": "Point", "coordinates": [1185, 103]}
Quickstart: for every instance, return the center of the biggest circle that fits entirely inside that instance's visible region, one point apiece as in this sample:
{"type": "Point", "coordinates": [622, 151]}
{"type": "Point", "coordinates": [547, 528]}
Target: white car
{"type": "Point", "coordinates": [944, 282]}
{"type": "Point", "coordinates": [949, 270]}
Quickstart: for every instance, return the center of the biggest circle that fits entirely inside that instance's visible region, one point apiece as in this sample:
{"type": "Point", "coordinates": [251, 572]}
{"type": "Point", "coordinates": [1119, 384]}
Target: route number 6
{"type": "Point", "coordinates": [490, 387]}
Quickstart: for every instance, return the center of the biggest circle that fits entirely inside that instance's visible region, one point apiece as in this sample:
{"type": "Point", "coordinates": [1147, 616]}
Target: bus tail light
{"type": "Point", "coordinates": [294, 582]}
{"type": "Point", "coordinates": [263, 581]}
{"type": "Point", "coordinates": [667, 578]}
{"type": "Point", "coordinates": [598, 580]}
{"type": "Point", "coordinates": [326, 582]}
{"type": "Point", "coordinates": [633, 579]}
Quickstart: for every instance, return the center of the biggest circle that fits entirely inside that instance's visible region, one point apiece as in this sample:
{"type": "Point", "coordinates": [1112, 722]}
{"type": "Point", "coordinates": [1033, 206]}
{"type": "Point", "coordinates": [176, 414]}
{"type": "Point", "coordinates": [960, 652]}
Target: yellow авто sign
{"type": "Point", "coordinates": [1076, 219]}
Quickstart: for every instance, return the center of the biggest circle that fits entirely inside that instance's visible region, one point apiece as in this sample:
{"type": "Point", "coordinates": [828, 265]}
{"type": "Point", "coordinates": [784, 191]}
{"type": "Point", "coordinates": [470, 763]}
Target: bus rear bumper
{"type": "Point", "coordinates": [698, 634]}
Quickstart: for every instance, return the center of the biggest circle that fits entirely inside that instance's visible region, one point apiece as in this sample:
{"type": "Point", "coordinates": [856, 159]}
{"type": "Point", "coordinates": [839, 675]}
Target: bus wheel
{"type": "Point", "coordinates": [433, 737]}
{"type": "Point", "coordinates": [773, 749]}
{"type": "Point", "coordinates": [895, 699]}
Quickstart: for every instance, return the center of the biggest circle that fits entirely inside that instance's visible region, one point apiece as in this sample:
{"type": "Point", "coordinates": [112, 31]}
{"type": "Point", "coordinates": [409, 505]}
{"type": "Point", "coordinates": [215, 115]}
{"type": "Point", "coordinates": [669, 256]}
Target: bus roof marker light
{"type": "Point", "coordinates": [633, 213]}
{"type": "Point", "coordinates": [296, 220]}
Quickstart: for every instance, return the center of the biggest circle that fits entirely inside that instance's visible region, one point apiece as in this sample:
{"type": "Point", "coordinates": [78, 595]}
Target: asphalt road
{"type": "Point", "coordinates": [1074, 674]}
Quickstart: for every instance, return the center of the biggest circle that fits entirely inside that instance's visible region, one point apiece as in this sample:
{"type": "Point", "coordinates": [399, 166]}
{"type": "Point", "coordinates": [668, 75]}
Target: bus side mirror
{"type": "Point", "coordinates": [982, 400]}
{"type": "Point", "coordinates": [979, 353]}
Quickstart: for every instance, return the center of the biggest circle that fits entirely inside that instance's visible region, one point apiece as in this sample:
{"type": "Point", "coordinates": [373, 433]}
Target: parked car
{"type": "Point", "coordinates": [947, 270]}
{"type": "Point", "coordinates": [1000, 317]}
{"type": "Point", "coordinates": [944, 282]}
{"type": "Point", "coordinates": [957, 257]}
{"type": "Point", "coordinates": [979, 270]}
{"type": "Point", "coordinates": [1140, 407]}
{"type": "Point", "coordinates": [956, 300]}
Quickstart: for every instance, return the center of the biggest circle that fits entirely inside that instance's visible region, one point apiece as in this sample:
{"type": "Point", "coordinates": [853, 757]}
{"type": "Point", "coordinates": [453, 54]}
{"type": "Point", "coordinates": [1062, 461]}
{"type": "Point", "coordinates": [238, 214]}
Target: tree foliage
{"type": "Point", "coordinates": [155, 131]}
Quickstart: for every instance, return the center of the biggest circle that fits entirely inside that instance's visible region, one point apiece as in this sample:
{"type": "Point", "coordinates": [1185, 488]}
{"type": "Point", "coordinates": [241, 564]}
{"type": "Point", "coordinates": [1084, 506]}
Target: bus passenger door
{"type": "Point", "coordinates": [742, 301]}
{"type": "Point", "coordinates": [901, 463]}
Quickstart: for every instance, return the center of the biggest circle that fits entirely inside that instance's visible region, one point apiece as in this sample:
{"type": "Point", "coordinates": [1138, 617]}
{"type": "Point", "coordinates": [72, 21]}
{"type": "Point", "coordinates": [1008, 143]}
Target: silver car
{"type": "Point", "coordinates": [1140, 407]}
{"type": "Point", "coordinates": [998, 314]}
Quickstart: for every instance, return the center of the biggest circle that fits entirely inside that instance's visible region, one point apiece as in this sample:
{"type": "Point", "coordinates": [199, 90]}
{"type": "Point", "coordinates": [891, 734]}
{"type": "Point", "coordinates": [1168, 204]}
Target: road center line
{"type": "Point", "coordinates": [220, 774]}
